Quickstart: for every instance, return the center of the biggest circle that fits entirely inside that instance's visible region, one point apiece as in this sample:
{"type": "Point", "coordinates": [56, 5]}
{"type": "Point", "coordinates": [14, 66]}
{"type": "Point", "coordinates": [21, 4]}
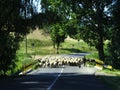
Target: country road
{"type": "Point", "coordinates": [63, 78]}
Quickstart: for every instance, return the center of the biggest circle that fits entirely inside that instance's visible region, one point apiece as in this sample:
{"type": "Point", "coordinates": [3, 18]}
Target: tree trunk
{"type": "Point", "coordinates": [101, 49]}
{"type": "Point", "coordinates": [53, 44]}
{"type": "Point", "coordinates": [99, 14]}
{"type": "Point", "coordinates": [26, 43]}
{"type": "Point", "coordinates": [58, 44]}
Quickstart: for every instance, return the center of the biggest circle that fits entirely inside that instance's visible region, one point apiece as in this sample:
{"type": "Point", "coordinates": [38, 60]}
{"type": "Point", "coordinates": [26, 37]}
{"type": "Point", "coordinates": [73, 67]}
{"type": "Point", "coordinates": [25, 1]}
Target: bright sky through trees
{"type": "Point", "coordinates": [37, 4]}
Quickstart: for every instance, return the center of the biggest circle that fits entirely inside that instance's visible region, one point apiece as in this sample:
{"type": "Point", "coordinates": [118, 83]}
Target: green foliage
{"type": "Point", "coordinates": [12, 29]}
{"type": "Point", "coordinates": [57, 35]}
{"type": "Point", "coordinates": [85, 19]}
{"type": "Point", "coordinates": [93, 23]}
{"type": "Point", "coordinates": [72, 27]}
{"type": "Point", "coordinates": [114, 46]}
{"type": "Point", "coordinates": [9, 43]}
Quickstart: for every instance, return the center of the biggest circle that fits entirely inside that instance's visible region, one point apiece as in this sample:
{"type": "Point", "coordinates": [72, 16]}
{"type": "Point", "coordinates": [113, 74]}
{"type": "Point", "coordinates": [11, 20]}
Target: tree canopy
{"type": "Point", "coordinates": [13, 27]}
{"type": "Point", "coordinates": [114, 46]}
{"type": "Point", "coordinates": [88, 17]}
{"type": "Point", "coordinates": [57, 35]}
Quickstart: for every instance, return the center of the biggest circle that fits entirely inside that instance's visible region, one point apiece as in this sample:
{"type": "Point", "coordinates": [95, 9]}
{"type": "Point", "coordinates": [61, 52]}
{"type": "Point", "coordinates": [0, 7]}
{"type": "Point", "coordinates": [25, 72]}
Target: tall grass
{"type": "Point", "coordinates": [44, 46]}
{"type": "Point", "coordinates": [40, 44]}
{"type": "Point", "coordinates": [75, 46]}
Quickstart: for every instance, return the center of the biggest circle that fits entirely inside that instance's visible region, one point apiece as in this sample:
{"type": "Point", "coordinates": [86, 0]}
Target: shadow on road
{"type": "Point", "coordinates": [67, 81]}
{"type": "Point", "coordinates": [80, 82]}
{"type": "Point", "coordinates": [111, 81]}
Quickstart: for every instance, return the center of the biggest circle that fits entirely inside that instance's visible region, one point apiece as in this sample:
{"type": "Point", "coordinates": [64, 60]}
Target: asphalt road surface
{"type": "Point", "coordinates": [63, 78]}
{"type": "Point", "coordinates": [75, 54]}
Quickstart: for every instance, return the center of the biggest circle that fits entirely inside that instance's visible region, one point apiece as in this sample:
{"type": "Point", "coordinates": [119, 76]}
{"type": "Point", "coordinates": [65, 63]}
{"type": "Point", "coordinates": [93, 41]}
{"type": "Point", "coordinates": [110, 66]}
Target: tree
{"type": "Point", "coordinates": [94, 23]}
{"type": "Point", "coordinates": [13, 27]}
{"type": "Point", "coordinates": [56, 23]}
{"type": "Point", "coordinates": [72, 27]}
{"type": "Point", "coordinates": [91, 18]}
{"type": "Point", "coordinates": [55, 9]}
{"type": "Point", "coordinates": [114, 46]}
{"type": "Point", "coordinates": [57, 35]}
{"type": "Point", "coordinates": [9, 43]}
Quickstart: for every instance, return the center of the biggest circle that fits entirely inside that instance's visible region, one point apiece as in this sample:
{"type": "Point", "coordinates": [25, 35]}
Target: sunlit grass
{"type": "Point", "coordinates": [93, 55]}
{"type": "Point", "coordinates": [113, 71]}
{"type": "Point", "coordinates": [77, 46]}
{"type": "Point", "coordinates": [44, 47]}
{"type": "Point", "coordinates": [40, 44]}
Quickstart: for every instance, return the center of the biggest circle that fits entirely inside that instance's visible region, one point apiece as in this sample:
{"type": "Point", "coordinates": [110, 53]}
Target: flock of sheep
{"type": "Point", "coordinates": [60, 61]}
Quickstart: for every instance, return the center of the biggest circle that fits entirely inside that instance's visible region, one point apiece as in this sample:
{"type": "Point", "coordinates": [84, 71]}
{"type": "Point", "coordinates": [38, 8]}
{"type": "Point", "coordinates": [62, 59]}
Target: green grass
{"type": "Point", "coordinates": [93, 55]}
{"type": "Point", "coordinates": [43, 46]}
{"type": "Point", "coordinates": [81, 45]}
{"type": "Point", "coordinates": [24, 58]}
{"type": "Point", "coordinates": [73, 46]}
{"type": "Point", "coordinates": [114, 71]}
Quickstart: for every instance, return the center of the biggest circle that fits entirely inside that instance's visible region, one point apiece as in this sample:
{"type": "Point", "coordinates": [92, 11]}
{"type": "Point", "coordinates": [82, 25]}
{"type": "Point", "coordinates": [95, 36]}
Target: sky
{"type": "Point", "coordinates": [37, 4]}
